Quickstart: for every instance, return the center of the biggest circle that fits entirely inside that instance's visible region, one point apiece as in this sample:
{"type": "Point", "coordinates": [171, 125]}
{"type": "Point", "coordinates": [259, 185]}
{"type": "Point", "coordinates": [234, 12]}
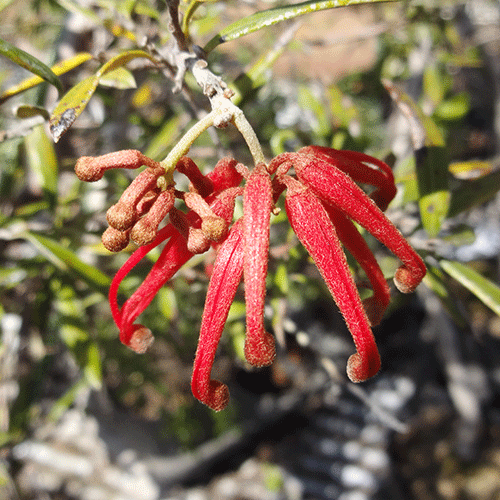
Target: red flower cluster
{"type": "Point", "coordinates": [321, 199]}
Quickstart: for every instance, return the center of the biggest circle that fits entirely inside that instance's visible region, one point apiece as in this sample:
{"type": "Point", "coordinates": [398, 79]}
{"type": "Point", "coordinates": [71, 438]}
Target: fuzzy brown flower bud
{"type": "Point", "coordinates": [214, 228]}
{"type": "Point", "coordinates": [123, 215]}
{"type": "Point", "coordinates": [144, 231]}
{"type": "Point", "coordinates": [92, 168]}
{"type": "Point", "coordinates": [114, 240]}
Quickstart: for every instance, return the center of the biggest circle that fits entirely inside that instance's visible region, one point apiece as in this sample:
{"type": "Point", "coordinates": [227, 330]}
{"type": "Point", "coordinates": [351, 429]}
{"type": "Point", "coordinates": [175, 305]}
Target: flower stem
{"type": "Point", "coordinates": [248, 133]}
{"type": "Point", "coordinates": [222, 113]}
{"type": "Point", "coordinates": [182, 147]}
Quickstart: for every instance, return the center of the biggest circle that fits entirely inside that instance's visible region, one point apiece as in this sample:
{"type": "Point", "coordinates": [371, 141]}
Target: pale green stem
{"type": "Point", "coordinates": [182, 147]}
{"type": "Point", "coordinates": [248, 133]}
{"type": "Point", "coordinates": [222, 113]}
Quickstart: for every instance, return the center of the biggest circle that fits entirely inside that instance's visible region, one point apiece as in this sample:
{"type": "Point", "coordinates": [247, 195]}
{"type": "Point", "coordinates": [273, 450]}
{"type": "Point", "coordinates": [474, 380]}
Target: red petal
{"type": "Point", "coordinates": [361, 168]}
{"type": "Point", "coordinates": [224, 282]}
{"type": "Point", "coordinates": [338, 189]}
{"type": "Point", "coordinates": [310, 222]}
{"type": "Point", "coordinates": [131, 262]}
{"type": "Point", "coordinates": [375, 305]}
{"type": "Point", "coordinates": [172, 258]}
{"type": "Point", "coordinates": [224, 174]}
{"type": "Point", "coordinates": [257, 205]}
{"type": "Point", "coordinates": [202, 184]}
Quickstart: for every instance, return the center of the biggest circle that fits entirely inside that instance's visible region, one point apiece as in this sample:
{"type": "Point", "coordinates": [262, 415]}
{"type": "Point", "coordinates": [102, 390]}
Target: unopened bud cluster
{"type": "Point", "coordinates": [149, 199]}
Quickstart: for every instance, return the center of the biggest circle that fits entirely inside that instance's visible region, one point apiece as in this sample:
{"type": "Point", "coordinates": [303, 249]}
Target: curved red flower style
{"type": "Point", "coordinates": [322, 200]}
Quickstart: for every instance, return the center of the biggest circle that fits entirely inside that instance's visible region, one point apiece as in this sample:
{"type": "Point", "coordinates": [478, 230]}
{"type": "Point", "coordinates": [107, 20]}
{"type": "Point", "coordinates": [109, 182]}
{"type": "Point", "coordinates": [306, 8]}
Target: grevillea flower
{"type": "Point", "coordinates": [322, 202]}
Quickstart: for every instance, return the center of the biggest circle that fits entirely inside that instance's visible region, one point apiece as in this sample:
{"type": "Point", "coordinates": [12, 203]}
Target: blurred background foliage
{"type": "Point", "coordinates": [403, 81]}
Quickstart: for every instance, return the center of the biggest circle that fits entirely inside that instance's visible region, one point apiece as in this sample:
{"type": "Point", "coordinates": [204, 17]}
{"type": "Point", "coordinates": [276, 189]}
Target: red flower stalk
{"type": "Point", "coordinates": [320, 203]}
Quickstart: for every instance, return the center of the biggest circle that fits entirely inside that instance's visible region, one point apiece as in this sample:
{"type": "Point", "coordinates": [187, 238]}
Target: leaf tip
{"type": "Point", "coordinates": [60, 124]}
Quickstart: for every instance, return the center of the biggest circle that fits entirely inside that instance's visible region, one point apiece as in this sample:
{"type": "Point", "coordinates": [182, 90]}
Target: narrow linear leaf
{"type": "Point", "coordinates": [259, 73]}
{"type": "Point", "coordinates": [276, 15]}
{"type": "Point", "coordinates": [29, 62]}
{"type": "Point", "coordinates": [58, 69]}
{"type": "Point", "coordinates": [122, 59]}
{"type": "Point", "coordinates": [93, 368]}
{"type": "Point", "coordinates": [70, 107]}
{"type": "Point", "coordinates": [431, 161]}
{"type": "Point", "coordinates": [485, 290]}
{"type": "Point", "coordinates": [473, 193]}
{"type": "Point", "coordinates": [26, 111]}
{"type": "Point", "coordinates": [434, 279]}
{"type": "Point", "coordinates": [119, 78]}
{"type": "Point", "coordinates": [470, 169]}
{"type": "Point", "coordinates": [76, 99]}
{"type": "Point", "coordinates": [42, 160]}
{"type": "Point", "coordinates": [65, 259]}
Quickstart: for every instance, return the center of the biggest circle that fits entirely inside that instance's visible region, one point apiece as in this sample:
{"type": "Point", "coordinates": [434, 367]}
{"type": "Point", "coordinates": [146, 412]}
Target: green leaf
{"type": "Point", "coordinates": [41, 158]}
{"type": "Point", "coordinates": [93, 368]}
{"type": "Point", "coordinates": [454, 108]}
{"type": "Point", "coordinates": [433, 83]}
{"type": "Point", "coordinates": [66, 260]}
{"type": "Point", "coordinates": [71, 106]}
{"type": "Point", "coordinates": [66, 400]}
{"type": "Point", "coordinates": [119, 78]}
{"type": "Point", "coordinates": [474, 193]}
{"type": "Point", "coordinates": [486, 291]}
{"type": "Point", "coordinates": [259, 73]}
{"type": "Point", "coordinates": [27, 111]}
{"type": "Point", "coordinates": [275, 15]}
{"type": "Point", "coordinates": [58, 69]}
{"type": "Point", "coordinates": [432, 179]}
{"type": "Point", "coordinates": [470, 169]}
{"type": "Point", "coordinates": [281, 279]}
{"type": "Point", "coordinates": [162, 142]}
{"type": "Point", "coordinates": [431, 161]}
{"type": "Point", "coordinates": [27, 61]}
{"type": "Point", "coordinates": [434, 280]}
{"type": "Point", "coordinates": [309, 102]}
{"type": "Point", "coordinates": [76, 99]}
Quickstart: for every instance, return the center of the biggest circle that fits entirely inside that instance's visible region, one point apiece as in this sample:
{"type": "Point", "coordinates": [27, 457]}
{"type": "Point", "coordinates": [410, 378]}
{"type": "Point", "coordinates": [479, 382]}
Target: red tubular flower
{"type": "Point", "coordinates": [257, 206]}
{"type": "Point", "coordinates": [320, 203]}
{"type": "Point", "coordinates": [311, 224]}
{"type": "Point", "coordinates": [226, 276]}
{"type": "Point", "coordinates": [336, 188]}
{"type": "Point", "coordinates": [173, 256]}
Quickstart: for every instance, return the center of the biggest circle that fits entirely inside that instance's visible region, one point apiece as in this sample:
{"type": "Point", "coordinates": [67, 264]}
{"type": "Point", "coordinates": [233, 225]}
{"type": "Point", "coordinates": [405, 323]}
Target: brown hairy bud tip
{"type": "Point", "coordinates": [146, 202]}
{"type": "Point", "coordinates": [214, 228]}
{"type": "Point", "coordinates": [114, 240]}
{"type": "Point", "coordinates": [141, 339]}
{"type": "Point", "coordinates": [121, 216]}
{"type": "Point", "coordinates": [197, 242]}
{"type": "Point", "coordinates": [88, 170]}
{"type": "Point", "coordinates": [145, 230]}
